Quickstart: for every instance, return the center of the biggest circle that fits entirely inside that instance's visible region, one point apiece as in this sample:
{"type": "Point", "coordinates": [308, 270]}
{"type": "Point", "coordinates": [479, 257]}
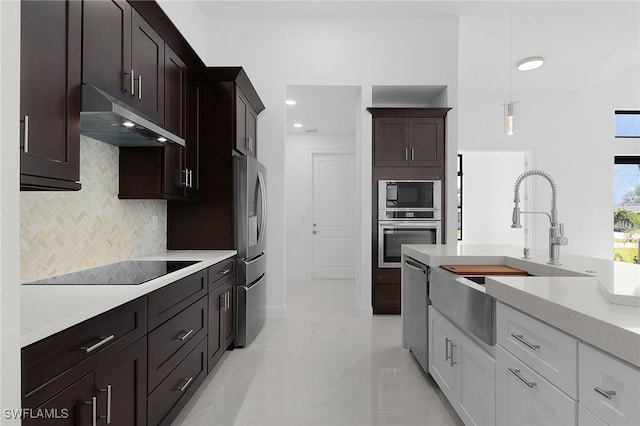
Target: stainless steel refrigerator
{"type": "Point", "coordinates": [250, 235]}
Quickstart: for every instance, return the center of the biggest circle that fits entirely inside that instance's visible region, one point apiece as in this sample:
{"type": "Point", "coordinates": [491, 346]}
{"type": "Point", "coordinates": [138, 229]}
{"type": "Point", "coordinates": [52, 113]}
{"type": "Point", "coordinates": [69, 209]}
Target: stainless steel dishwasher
{"type": "Point", "coordinates": [415, 301]}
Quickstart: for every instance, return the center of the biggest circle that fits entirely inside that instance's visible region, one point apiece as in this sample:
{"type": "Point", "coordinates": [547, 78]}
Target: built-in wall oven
{"type": "Point", "coordinates": [409, 212]}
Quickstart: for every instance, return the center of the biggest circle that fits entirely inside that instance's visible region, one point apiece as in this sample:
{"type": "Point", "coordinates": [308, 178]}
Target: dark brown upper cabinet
{"type": "Point", "coordinates": [175, 73]}
{"type": "Point", "coordinates": [408, 137]}
{"type": "Point", "coordinates": [106, 56]}
{"type": "Point", "coordinates": [50, 103]}
{"type": "Point", "coordinates": [192, 140]}
{"type": "Point", "coordinates": [124, 56]}
{"type": "Point", "coordinates": [246, 123]}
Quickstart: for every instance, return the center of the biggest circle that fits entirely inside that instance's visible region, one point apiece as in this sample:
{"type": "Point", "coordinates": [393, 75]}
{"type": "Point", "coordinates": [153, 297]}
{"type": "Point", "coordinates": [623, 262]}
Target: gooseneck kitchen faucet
{"type": "Point", "coordinates": [556, 231]}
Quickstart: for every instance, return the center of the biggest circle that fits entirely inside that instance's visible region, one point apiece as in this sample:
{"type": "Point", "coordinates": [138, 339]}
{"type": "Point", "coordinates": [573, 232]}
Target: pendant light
{"type": "Point", "coordinates": [510, 108]}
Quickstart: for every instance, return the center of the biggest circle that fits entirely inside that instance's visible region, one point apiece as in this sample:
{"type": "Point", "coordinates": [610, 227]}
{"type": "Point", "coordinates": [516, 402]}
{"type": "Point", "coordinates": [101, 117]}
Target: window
{"type": "Point", "coordinates": [459, 191]}
{"type": "Point", "coordinates": [627, 124]}
{"type": "Point", "coordinates": [626, 208]}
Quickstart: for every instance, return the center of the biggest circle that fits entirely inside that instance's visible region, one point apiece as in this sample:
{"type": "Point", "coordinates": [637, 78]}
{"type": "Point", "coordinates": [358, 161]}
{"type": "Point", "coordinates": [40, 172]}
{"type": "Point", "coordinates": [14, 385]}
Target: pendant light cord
{"type": "Point", "coordinates": [510, 50]}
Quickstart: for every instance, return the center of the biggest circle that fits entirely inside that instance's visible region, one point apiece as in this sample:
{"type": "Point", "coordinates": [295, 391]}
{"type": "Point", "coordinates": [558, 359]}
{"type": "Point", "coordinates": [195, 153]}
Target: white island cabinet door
{"type": "Point", "coordinates": [523, 397]}
{"type": "Point", "coordinates": [587, 418]}
{"type": "Point", "coordinates": [476, 382]}
{"type": "Point", "coordinates": [609, 388]}
{"type": "Point", "coordinates": [440, 353]}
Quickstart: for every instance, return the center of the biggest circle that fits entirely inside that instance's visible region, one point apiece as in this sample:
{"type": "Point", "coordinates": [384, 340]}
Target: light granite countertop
{"type": "Point", "coordinates": [48, 309]}
{"type": "Point", "coordinates": [574, 299]}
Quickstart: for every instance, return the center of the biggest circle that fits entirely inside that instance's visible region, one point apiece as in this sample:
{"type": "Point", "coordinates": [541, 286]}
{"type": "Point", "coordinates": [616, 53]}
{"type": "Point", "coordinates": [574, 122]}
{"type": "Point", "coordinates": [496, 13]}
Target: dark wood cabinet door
{"type": "Point", "coordinates": [147, 63]}
{"type": "Point", "coordinates": [227, 333]}
{"type": "Point", "coordinates": [174, 87]}
{"type": "Point", "coordinates": [106, 49]}
{"type": "Point", "coordinates": [242, 106]}
{"type": "Point", "coordinates": [174, 176]}
{"type": "Point", "coordinates": [251, 135]}
{"type": "Point", "coordinates": [216, 312]}
{"type": "Point", "coordinates": [426, 142]}
{"type": "Point", "coordinates": [391, 142]}
{"type": "Point", "coordinates": [71, 407]}
{"type": "Point", "coordinates": [50, 79]}
{"type": "Point", "coordinates": [121, 387]}
{"type": "Point", "coordinates": [192, 140]}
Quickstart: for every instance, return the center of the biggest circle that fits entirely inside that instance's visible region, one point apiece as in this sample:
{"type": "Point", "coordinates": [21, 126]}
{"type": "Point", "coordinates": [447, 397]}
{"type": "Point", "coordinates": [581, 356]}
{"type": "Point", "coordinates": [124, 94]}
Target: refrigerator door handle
{"type": "Point", "coordinates": [263, 218]}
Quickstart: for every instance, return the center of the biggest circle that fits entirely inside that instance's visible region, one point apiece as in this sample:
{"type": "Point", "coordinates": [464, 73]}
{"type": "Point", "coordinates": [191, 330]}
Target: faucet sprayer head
{"type": "Point", "coordinates": [515, 218]}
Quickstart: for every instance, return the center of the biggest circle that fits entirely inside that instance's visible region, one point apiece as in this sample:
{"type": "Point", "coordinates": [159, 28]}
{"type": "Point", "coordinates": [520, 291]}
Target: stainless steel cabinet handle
{"type": "Point", "coordinates": [519, 376]}
{"type": "Point", "coordinates": [186, 385]}
{"type": "Point", "coordinates": [26, 134]}
{"type": "Point", "coordinates": [606, 393]}
{"type": "Point", "coordinates": [225, 272]}
{"type": "Point", "coordinates": [223, 302]}
{"type": "Point", "coordinates": [133, 87]}
{"type": "Point", "coordinates": [406, 154]}
{"type": "Point", "coordinates": [184, 335]}
{"type": "Point", "coordinates": [140, 87]}
{"type": "Point", "coordinates": [452, 346]}
{"type": "Point", "coordinates": [190, 178]}
{"type": "Point", "coordinates": [94, 409]}
{"type": "Point", "coordinates": [446, 348]}
{"type": "Point", "coordinates": [102, 342]}
{"type": "Point", "coordinates": [520, 338]}
{"type": "Point", "coordinates": [108, 416]}
{"type": "Point", "coordinates": [229, 300]}
{"type": "Point", "coordinates": [412, 154]}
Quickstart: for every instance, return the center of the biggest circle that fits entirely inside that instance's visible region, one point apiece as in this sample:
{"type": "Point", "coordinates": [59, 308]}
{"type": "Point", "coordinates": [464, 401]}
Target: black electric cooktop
{"type": "Point", "coordinates": [129, 272]}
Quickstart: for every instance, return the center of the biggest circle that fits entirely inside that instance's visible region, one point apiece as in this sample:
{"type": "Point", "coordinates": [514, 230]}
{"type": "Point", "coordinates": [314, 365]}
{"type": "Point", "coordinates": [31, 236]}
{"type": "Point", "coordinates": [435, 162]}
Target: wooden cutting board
{"type": "Point", "coordinates": [483, 270]}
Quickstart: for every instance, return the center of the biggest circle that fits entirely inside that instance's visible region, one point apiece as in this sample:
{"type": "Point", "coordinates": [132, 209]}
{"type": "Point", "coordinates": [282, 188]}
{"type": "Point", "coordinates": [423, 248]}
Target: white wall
{"type": "Point", "coordinates": [487, 196]}
{"type": "Point", "coordinates": [277, 52]}
{"type": "Point", "coordinates": [298, 167]}
{"type": "Point", "coordinates": [9, 208]}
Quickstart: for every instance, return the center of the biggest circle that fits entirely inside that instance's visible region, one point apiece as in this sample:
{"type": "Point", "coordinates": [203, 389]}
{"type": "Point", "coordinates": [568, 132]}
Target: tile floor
{"type": "Point", "coordinates": [322, 365]}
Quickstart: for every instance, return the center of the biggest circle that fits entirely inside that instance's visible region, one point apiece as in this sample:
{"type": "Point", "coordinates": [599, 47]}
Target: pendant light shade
{"type": "Point", "coordinates": [510, 118]}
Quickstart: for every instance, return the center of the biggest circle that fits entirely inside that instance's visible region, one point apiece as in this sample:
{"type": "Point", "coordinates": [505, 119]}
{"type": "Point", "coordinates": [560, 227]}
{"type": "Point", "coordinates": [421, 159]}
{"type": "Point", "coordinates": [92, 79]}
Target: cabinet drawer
{"type": "Point", "coordinates": [173, 340]}
{"type": "Point", "coordinates": [523, 397]}
{"type": "Point", "coordinates": [601, 374]}
{"type": "Point", "coordinates": [221, 272]}
{"type": "Point", "coordinates": [169, 397]}
{"type": "Point", "coordinates": [74, 352]}
{"type": "Point", "coordinates": [550, 352]}
{"type": "Point", "coordinates": [168, 301]}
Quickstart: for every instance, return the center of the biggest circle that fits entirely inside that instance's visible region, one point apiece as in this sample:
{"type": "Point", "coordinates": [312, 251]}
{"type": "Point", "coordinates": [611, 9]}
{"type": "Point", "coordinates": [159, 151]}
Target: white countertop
{"type": "Point", "coordinates": [578, 305]}
{"type": "Point", "coordinates": [48, 309]}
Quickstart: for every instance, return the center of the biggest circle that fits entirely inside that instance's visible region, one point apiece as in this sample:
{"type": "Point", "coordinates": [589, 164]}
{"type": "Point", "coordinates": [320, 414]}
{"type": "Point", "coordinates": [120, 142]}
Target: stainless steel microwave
{"type": "Point", "coordinates": [409, 199]}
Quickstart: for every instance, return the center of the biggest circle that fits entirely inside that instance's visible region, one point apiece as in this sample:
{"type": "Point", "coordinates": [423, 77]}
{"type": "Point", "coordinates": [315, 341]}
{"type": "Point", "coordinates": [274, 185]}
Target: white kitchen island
{"type": "Point", "coordinates": [566, 354]}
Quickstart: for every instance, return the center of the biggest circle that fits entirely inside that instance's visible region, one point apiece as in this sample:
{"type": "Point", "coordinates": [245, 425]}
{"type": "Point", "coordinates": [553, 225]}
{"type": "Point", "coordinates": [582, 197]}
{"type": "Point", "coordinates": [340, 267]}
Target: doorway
{"type": "Point", "coordinates": [333, 213]}
{"type": "Point", "coordinates": [321, 182]}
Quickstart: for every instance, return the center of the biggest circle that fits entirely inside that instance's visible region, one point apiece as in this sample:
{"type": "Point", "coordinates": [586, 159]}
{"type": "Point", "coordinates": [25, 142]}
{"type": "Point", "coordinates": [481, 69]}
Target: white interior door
{"type": "Point", "coordinates": [333, 216]}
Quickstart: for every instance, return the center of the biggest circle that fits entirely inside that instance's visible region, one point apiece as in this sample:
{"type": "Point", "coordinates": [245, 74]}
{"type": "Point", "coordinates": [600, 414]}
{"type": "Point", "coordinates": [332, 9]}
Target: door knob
{"type": "Point", "coordinates": [314, 225]}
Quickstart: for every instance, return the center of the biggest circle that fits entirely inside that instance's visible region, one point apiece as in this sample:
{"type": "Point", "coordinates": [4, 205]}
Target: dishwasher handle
{"type": "Point", "coordinates": [415, 266]}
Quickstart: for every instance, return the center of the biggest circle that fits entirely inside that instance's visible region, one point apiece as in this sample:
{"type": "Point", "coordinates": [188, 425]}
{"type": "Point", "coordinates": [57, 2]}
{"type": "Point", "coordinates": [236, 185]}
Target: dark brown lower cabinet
{"type": "Point", "coordinates": [114, 393]}
{"type": "Point", "coordinates": [221, 320]}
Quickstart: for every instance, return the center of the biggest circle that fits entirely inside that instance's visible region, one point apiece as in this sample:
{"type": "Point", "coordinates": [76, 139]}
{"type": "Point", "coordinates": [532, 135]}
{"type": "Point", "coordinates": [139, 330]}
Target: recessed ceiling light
{"type": "Point", "coordinates": [529, 64]}
{"type": "Point", "coordinates": [297, 125]}
{"type": "Point", "coordinates": [290, 102]}
{"type": "Point", "coordinates": [162, 139]}
{"type": "Point", "coordinates": [128, 124]}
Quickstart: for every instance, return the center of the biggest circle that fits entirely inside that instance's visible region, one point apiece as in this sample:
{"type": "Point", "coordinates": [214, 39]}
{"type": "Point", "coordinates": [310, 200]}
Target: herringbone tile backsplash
{"type": "Point", "coordinates": [62, 232]}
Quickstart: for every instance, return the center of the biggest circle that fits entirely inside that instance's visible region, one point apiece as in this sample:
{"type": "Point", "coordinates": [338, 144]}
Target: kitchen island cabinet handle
{"type": "Point", "coordinates": [26, 134]}
{"type": "Point", "coordinates": [103, 341]}
{"type": "Point", "coordinates": [184, 334]}
{"type": "Point", "coordinates": [108, 416]}
{"type": "Point", "coordinates": [446, 349]}
{"type": "Point", "coordinates": [519, 376]}
{"type": "Point", "coordinates": [186, 385]}
{"type": "Point", "coordinates": [140, 86]}
{"type": "Point", "coordinates": [606, 393]}
{"type": "Point", "coordinates": [225, 272]}
{"type": "Point", "coordinates": [133, 87]}
{"type": "Point", "coordinates": [520, 338]}
{"type": "Point", "coordinates": [451, 359]}
{"type": "Point", "coordinates": [94, 409]}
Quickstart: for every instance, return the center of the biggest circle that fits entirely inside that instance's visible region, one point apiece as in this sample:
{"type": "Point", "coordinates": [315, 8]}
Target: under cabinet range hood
{"type": "Point", "coordinates": [109, 120]}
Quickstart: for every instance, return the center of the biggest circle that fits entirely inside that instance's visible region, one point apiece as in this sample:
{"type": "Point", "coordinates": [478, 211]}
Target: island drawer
{"type": "Point", "coordinates": [166, 401]}
{"type": "Point", "coordinates": [166, 302]}
{"type": "Point", "coordinates": [173, 340]}
{"type": "Point", "coordinates": [550, 352]}
{"type": "Point", "coordinates": [221, 272]}
{"type": "Point", "coordinates": [609, 388]}
{"type": "Point", "coordinates": [56, 362]}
